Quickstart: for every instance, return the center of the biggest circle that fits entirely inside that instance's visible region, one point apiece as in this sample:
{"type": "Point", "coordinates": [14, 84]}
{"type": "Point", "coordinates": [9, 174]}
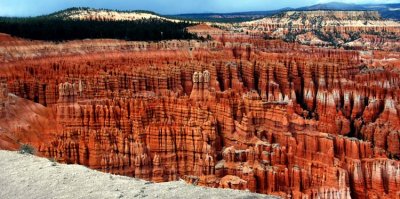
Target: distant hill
{"type": "Point", "coordinates": [105, 14]}
{"type": "Point", "coordinates": [75, 9]}
{"type": "Point", "coordinates": [89, 23]}
{"type": "Point", "coordinates": [228, 17]}
{"type": "Point", "coordinates": [388, 11]}
{"type": "Point", "coordinates": [333, 6]}
{"type": "Point", "coordinates": [391, 11]}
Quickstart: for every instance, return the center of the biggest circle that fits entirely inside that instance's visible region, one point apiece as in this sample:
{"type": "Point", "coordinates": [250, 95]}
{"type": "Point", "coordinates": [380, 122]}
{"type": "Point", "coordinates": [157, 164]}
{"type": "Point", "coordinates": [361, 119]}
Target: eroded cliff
{"type": "Point", "coordinates": [264, 115]}
{"type": "Point", "coordinates": [340, 29]}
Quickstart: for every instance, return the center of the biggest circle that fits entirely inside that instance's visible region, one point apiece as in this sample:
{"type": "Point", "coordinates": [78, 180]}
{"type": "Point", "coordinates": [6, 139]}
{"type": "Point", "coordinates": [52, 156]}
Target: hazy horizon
{"type": "Point", "coordinates": [20, 8]}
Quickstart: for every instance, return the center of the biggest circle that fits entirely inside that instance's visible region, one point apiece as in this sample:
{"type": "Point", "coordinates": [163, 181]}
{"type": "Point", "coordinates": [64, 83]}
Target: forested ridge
{"type": "Point", "coordinates": [52, 28]}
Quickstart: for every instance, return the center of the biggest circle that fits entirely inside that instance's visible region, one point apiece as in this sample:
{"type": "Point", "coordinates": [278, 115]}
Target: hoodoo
{"type": "Point", "coordinates": [241, 109]}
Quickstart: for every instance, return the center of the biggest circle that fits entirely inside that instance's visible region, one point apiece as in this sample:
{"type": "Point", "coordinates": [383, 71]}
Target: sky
{"type": "Point", "coordinates": [40, 7]}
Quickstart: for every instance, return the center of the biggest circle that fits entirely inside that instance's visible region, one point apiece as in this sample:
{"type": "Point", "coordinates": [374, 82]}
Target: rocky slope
{"type": "Point", "coordinates": [23, 121]}
{"type": "Point", "coordinates": [350, 29]}
{"type": "Point", "coordinates": [237, 112]}
{"type": "Point", "coordinates": [27, 176]}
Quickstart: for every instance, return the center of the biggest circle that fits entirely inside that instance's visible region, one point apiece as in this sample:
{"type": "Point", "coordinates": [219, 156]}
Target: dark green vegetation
{"type": "Point", "coordinates": [55, 27]}
{"type": "Point", "coordinates": [27, 149]}
{"type": "Point", "coordinates": [52, 29]}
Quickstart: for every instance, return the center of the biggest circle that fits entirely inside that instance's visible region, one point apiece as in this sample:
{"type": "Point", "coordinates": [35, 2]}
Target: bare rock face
{"type": "Point", "coordinates": [329, 14]}
{"type": "Point", "coordinates": [106, 15]}
{"type": "Point", "coordinates": [266, 116]}
{"type": "Point", "coordinates": [344, 29]}
{"type": "Point", "coordinates": [4, 101]}
{"type": "Point", "coordinates": [23, 121]}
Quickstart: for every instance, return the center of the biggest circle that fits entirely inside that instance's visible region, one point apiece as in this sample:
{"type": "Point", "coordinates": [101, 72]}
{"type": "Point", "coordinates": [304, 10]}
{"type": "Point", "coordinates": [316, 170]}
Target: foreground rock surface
{"type": "Point", "coordinates": [28, 176]}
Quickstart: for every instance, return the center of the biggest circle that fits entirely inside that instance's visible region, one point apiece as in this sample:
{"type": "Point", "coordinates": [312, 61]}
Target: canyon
{"type": "Point", "coordinates": [235, 111]}
{"type": "Point", "coordinates": [355, 30]}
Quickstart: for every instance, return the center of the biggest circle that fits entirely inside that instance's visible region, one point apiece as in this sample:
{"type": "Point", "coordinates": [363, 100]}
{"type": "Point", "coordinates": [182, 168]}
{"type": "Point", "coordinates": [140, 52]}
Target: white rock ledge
{"type": "Point", "coordinates": [28, 176]}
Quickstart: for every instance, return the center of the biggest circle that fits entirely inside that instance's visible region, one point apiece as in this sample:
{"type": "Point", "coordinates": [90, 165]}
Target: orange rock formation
{"type": "Point", "coordinates": [267, 116]}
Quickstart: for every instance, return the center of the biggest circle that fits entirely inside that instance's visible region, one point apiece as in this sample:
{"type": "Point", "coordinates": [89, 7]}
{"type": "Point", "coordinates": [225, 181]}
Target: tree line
{"type": "Point", "coordinates": [58, 29]}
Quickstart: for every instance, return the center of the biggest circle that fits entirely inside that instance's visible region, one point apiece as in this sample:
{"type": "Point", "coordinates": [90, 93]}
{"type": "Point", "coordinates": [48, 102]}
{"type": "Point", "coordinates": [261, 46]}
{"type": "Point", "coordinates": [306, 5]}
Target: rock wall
{"type": "Point", "coordinates": [3, 99]}
{"type": "Point", "coordinates": [359, 30]}
{"type": "Point", "coordinates": [267, 116]}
